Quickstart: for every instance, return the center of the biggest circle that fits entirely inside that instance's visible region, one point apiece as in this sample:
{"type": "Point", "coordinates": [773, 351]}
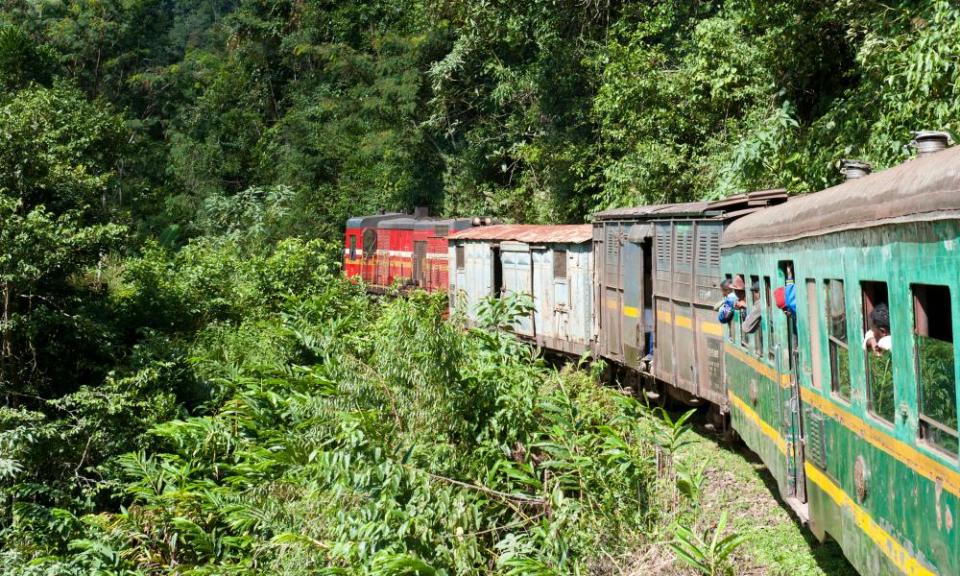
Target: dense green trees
{"type": "Point", "coordinates": [186, 381]}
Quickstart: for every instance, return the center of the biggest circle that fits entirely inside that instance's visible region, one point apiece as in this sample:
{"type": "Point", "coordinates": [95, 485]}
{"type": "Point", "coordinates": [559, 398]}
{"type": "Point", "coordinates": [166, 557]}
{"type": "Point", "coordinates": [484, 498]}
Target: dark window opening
{"type": "Point", "coordinates": [771, 332]}
{"type": "Point", "coordinates": [837, 338]}
{"type": "Point", "coordinates": [876, 350]}
{"type": "Point", "coordinates": [730, 329]}
{"type": "Point", "coordinates": [461, 257]}
{"type": "Point", "coordinates": [559, 264]}
{"type": "Point", "coordinates": [497, 273]}
{"type": "Point", "coordinates": [785, 268]}
{"type": "Point", "coordinates": [755, 304]}
{"type": "Point", "coordinates": [934, 355]}
{"type": "Point", "coordinates": [813, 325]}
{"type": "Point", "coordinates": [744, 337]}
{"type": "Point", "coordinates": [353, 246]}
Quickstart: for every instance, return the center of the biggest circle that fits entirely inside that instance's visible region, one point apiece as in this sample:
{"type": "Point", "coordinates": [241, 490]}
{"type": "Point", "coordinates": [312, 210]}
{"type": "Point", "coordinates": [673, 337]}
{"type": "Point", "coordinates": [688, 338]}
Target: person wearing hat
{"type": "Point", "coordinates": [740, 291]}
{"type": "Point", "coordinates": [752, 320]}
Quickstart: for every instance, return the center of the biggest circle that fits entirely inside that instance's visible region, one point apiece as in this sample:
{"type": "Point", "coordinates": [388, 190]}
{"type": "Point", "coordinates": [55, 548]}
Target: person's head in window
{"type": "Point", "coordinates": [877, 339]}
{"type": "Point", "coordinates": [740, 290]}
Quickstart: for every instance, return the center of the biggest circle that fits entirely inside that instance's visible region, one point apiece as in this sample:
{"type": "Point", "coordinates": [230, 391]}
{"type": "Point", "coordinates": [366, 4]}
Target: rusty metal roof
{"type": "Point", "coordinates": [925, 188]}
{"type": "Point", "coordinates": [530, 233]}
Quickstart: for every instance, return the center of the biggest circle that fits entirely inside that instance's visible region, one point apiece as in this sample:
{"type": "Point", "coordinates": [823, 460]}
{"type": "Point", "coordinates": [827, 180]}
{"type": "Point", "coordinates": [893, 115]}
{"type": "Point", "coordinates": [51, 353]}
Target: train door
{"type": "Point", "coordinates": [684, 345]}
{"type": "Point", "coordinates": [632, 283]}
{"type": "Point", "coordinates": [611, 292]}
{"type": "Point", "coordinates": [663, 279]}
{"type": "Point", "coordinates": [788, 363]}
{"type": "Point", "coordinates": [517, 278]}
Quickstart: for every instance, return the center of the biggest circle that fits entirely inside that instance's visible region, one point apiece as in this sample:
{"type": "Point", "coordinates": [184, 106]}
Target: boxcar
{"type": "Point", "coordinates": [551, 263]}
{"type": "Point", "coordinates": [656, 281]}
{"type": "Point", "coordinates": [864, 444]}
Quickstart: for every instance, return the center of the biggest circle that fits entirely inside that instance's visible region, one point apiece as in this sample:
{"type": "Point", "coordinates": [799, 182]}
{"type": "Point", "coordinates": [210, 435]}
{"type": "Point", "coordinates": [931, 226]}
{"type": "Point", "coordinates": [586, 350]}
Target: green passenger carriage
{"type": "Point", "coordinates": [863, 445]}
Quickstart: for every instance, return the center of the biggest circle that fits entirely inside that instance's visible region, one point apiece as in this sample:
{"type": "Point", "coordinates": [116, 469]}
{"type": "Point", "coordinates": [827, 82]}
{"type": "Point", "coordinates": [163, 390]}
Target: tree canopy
{"type": "Point", "coordinates": [186, 379]}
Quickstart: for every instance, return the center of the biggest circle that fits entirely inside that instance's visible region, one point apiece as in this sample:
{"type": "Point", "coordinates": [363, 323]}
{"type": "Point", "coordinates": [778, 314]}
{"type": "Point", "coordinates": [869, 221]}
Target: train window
{"type": "Point", "coordinates": [813, 325]}
{"type": "Point", "coordinates": [730, 329]}
{"type": "Point", "coordinates": [837, 337]}
{"type": "Point", "coordinates": [771, 332]}
{"type": "Point", "coordinates": [461, 257]}
{"type": "Point", "coordinates": [353, 246]}
{"type": "Point", "coordinates": [933, 332]}
{"type": "Point", "coordinates": [559, 264]}
{"type": "Point", "coordinates": [755, 303]}
{"type": "Point", "coordinates": [876, 350]}
{"type": "Point", "coordinates": [744, 338]}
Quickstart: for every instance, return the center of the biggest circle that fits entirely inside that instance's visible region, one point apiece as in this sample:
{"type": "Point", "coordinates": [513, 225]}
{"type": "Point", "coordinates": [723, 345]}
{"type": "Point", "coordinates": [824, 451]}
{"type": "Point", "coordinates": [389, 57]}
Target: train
{"type": "Point", "coordinates": [847, 390]}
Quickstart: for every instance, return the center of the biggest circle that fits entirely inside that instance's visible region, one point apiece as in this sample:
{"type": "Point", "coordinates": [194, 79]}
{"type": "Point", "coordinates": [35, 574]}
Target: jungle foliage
{"type": "Point", "coordinates": [188, 385]}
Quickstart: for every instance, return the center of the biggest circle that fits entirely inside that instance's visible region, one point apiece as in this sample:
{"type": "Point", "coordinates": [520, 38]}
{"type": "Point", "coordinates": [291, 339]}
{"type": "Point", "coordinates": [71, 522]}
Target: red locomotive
{"type": "Point", "coordinates": [402, 249]}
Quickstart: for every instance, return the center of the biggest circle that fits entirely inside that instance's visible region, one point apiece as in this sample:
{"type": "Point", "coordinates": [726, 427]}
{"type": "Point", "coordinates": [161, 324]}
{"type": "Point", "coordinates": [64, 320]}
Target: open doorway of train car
{"type": "Point", "coordinates": [647, 313]}
{"type": "Point", "coordinates": [497, 272]}
{"type": "Point", "coordinates": [792, 415]}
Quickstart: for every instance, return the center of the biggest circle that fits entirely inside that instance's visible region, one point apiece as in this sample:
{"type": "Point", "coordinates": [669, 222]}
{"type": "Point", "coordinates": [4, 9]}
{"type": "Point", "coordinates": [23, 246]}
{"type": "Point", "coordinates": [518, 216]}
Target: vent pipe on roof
{"type": "Point", "coordinates": [929, 142]}
{"type": "Point", "coordinates": [853, 169]}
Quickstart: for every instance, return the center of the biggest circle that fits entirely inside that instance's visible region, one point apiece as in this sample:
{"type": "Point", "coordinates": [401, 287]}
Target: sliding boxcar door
{"type": "Point", "coordinates": [631, 278]}
{"type": "Point", "coordinates": [663, 271]}
{"type": "Point", "coordinates": [611, 290]}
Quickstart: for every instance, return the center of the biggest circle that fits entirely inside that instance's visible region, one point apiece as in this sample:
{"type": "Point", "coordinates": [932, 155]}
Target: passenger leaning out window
{"type": "Point", "coordinates": [877, 338]}
{"type": "Point", "coordinates": [726, 305]}
{"type": "Point", "coordinates": [786, 298]}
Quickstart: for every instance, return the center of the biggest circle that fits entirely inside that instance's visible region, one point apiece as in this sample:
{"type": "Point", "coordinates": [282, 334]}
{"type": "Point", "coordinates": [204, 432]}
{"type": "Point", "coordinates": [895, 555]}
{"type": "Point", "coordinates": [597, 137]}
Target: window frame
{"type": "Point", "coordinates": [756, 299]}
{"type": "Point", "coordinates": [353, 246]}
{"type": "Point", "coordinates": [924, 420]}
{"type": "Point", "coordinates": [560, 262]}
{"type": "Point", "coordinates": [771, 325]}
{"type": "Point", "coordinates": [834, 343]}
{"type": "Point", "coordinates": [731, 331]}
{"type": "Point", "coordinates": [460, 256]}
{"type": "Point", "coordinates": [814, 333]}
{"type": "Point", "coordinates": [744, 337]}
{"type": "Point", "coordinates": [868, 293]}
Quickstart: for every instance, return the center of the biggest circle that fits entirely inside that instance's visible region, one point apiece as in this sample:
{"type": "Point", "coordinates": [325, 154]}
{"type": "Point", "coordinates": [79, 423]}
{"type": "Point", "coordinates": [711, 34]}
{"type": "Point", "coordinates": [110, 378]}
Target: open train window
{"type": "Point", "coordinates": [559, 264]}
{"type": "Point", "coordinates": [755, 303]}
{"type": "Point", "coordinates": [771, 332]}
{"type": "Point", "coordinates": [934, 355]}
{"type": "Point", "coordinates": [837, 339]}
{"type": "Point", "coordinates": [813, 325]}
{"type": "Point", "coordinates": [730, 329]}
{"type": "Point", "coordinates": [876, 350]}
{"type": "Point", "coordinates": [744, 338]}
{"type": "Point", "coordinates": [353, 246]}
{"type": "Point", "coordinates": [461, 257]}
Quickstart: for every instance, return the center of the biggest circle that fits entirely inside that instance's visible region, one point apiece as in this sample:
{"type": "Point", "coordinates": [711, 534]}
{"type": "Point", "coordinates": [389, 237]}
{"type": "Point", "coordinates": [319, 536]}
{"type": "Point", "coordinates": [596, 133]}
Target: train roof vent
{"type": "Point", "coordinates": [853, 169]}
{"type": "Point", "coordinates": [930, 142]}
{"type": "Point", "coordinates": [421, 212]}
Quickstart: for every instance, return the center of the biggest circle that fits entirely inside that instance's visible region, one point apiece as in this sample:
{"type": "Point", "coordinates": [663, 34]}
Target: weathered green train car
{"type": "Point", "coordinates": [864, 443]}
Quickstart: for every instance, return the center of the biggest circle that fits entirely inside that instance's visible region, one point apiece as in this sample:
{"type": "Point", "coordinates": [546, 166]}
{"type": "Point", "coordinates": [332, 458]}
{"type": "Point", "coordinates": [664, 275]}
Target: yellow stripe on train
{"type": "Point", "coordinates": [887, 544]}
